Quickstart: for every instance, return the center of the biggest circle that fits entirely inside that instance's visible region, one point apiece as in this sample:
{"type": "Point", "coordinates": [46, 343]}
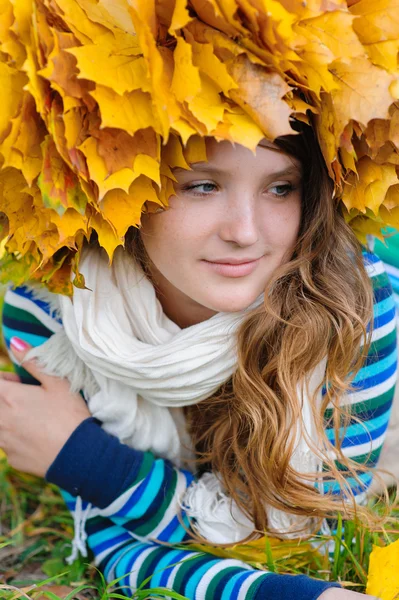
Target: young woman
{"type": "Point", "coordinates": [248, 299]}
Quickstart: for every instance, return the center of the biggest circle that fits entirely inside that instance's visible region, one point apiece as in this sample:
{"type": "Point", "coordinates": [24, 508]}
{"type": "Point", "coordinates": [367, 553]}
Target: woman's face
{"type": "Point", "coordinates": [232, 222]}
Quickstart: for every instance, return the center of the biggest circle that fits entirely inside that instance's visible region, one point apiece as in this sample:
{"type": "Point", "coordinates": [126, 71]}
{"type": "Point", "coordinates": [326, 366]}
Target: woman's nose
{"type": "Point", "coordinates": [239, 223]}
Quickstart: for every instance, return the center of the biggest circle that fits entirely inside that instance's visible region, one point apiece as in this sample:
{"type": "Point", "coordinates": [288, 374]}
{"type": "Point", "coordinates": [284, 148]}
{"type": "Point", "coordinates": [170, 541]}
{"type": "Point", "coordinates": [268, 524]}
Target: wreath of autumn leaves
{"type": "Point", "coordinates": [102, 98]}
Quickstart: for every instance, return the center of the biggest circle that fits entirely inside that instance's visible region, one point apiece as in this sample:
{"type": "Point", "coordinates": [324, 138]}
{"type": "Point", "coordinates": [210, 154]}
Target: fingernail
{"type": "Point", "coordinates": [18, 344]}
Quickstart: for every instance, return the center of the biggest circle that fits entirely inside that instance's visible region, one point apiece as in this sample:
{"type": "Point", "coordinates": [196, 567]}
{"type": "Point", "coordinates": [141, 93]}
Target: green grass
{"type": "Point", "coordinates": [35, 538]}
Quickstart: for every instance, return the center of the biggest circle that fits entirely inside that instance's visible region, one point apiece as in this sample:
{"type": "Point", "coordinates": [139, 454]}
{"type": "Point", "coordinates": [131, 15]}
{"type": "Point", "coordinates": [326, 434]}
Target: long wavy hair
{"type": "Point", "coordinates": [318, 304]}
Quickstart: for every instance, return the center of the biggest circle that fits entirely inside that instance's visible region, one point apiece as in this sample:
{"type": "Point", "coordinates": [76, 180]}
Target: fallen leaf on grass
{"type": "Point", "coordinates": [60, 590]}
{"type": "Point", "coordinates": [266, 551]}
{"type": "Point", "coordinates": [383, 578]}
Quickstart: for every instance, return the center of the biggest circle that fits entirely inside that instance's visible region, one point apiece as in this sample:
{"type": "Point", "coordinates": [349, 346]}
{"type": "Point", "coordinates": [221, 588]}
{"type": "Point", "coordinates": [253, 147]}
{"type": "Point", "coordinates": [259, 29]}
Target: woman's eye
{"type": "Point", "coordinates": [201, 188]}
{"type": "Point", "coordinates": [281, 190]}
{"type": "Point", "coordinates": [207, 187]}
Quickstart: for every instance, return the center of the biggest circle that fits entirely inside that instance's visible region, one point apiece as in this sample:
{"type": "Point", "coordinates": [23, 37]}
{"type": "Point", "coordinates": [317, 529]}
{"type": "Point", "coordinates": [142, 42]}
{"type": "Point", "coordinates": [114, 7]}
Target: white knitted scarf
{"type": "Point", "coordinates": [137, 369]}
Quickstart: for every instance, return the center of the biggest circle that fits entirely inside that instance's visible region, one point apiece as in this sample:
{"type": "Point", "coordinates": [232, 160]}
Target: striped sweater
{"type": "Point", "coordinates": [389, 253]}
{"type": "Point", "coordinates": [131, 497]}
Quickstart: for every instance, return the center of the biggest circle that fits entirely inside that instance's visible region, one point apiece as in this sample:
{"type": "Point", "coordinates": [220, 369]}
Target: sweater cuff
{"type": "Point", "coordinates": [300, 587]}
{"type": "Point", "coordinates": [94, 465]}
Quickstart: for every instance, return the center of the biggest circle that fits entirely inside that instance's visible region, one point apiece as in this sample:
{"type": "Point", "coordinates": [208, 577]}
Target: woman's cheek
{"type": "Point", "coordinates": [284, 223]}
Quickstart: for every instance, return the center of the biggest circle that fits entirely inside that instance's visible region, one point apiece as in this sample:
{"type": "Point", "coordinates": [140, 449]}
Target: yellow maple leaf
{"type": "Point", "coordinates": [377, 20]}
{"type": "Point", "coordinates": [384, 54]}
{"type": "Point", "coordinates": [183, 129]}
{"type": "Point", "coordinates": [112, 14]}
{"type": "Point", "coordinates": [318, 76]}
{"type": "Point", "coordinates": [100, 64]}
{"type": "Point", "coordinates": [14, 197]}
{"type": "Point", "coordinates": [61, 68]}
{"type": "Point", "coordinates": [370, 186]}
{"type": "Point", "coordinates": [390, 216]}
{"type": "Point", "coordinates": [207, 106]}
{"type": "Point", "coordinates": [85, 29]}
{"type": "Point", "coordinates": [148, 166]}
{"type": "Point", "coordinates": [59, 185]}
{"type": "Point", "coordinates": [124, 209]}
{"type": "Point", "coordinates": [173, 155]}
{"type": "Point", "coordinates": [120, 150]}
{"type": "Point", "coordinates": [205, 59]}
{"type": "Point", "coordinates": [195, 150]}
{"type": "Point", "coordinates": [108, 82]}
{"type": "Point", "coordinates": [46, 237]}
{"type": "Point", "coordinates": [21, 148]}
{"type": "Point", "coordinates": [243, 129]}
{"type": "Point", "coordinates": [23, 14]}
{"type": "Point", "coordinates": [9, 43]}
{"type": "Point", "coordinates": [391, 198]}
{"type": "Point", "coordinates": [256, 552]}
{"type": "Point", "coordinates": [11, 83]}
{"type": "Point", "coordinates": [383, 575]}
{"type": "Point", "coordinates": [363, 92]}
{"type": "Point", "coordinates": [130, 112]}
{"type": "Point", "coordinates": [180, 16]}
{"type": "Point", "coordinates": [333, 33]}
{"type": "Point", "coordinates": [100, 175]}
{"type": "Point", "coordinates": [158, 72]}
{"type": "Point", "coordinates": [186, 82]}
{"type": "Point", "coordinates": [74, 132]}
{"type": "Point", "coordinates": [107, 235]}
{"type": "Point", "coordinates": [209, 12]}
{"type": "Point", "coordinates": [69, 224]}
{"type": "Point", "coordinates": [260, 94]}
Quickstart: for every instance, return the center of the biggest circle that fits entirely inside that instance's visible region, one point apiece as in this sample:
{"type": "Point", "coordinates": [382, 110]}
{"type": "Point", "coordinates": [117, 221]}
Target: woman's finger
{"type": "Point", "coordinates": [9, 376]}
{"type": "Point", "coordinates": [20, 348]}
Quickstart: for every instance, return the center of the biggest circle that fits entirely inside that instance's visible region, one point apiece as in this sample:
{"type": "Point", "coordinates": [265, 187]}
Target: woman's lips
{"type": "Point", "coordinates": [233, 270]}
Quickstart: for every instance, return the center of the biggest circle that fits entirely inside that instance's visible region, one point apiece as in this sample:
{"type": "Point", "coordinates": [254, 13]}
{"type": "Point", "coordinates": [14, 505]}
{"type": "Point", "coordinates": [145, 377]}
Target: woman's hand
{"type": "Point", "coordinates": [340, 594]}
{"type": "Point", "coordinates": [36, 421]}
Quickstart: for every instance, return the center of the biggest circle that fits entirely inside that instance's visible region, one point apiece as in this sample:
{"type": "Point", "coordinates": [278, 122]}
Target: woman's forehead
{"type": "Point", "coordinates": [225, 154]}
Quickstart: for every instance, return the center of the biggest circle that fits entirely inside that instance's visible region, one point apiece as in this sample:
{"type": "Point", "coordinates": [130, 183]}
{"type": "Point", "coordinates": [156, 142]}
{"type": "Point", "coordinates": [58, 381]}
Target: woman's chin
{"type": "Point", "coordinates": [234, 304]}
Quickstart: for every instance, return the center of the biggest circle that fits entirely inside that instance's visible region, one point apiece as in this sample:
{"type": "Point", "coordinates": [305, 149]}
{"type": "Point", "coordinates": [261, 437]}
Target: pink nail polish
{"type": "Point", "coordinates": [18, 344]}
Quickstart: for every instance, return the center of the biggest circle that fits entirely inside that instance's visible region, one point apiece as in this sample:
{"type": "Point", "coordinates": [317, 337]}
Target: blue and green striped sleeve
{"type": "Point", "coordinates": [372, 392]}
{"type": "Point", "coordinates": [388, 252]}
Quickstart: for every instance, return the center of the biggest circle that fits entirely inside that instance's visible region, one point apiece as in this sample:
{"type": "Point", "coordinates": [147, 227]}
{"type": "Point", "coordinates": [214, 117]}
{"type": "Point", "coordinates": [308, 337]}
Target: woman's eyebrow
{"type": "Point", "coordinates": [207, 168]}
{"type": "Point", "coordinates": [199, 166]}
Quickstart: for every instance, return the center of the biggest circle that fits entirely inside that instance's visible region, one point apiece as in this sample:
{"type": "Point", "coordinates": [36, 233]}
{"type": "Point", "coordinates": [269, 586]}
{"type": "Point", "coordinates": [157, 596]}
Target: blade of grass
{"type": "Point", "coordinates": [360, 571]}
{"type": "Point", "coordinates": [337, 549]}
{"type": "Point", "coordinates": [269, 556]}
